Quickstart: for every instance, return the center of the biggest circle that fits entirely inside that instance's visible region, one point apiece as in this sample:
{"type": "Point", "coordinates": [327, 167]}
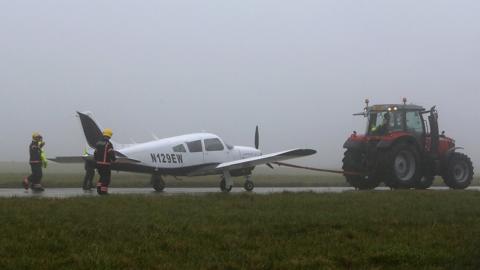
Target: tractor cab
{"type": "Point", "coordinates": [388, 119]}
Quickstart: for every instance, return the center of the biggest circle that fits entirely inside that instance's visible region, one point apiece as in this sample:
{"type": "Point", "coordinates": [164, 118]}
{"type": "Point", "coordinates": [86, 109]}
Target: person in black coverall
{"type": "Point", "coordinates": [104, 156]}
{"type": "Point", "coordinates": [36, 163]}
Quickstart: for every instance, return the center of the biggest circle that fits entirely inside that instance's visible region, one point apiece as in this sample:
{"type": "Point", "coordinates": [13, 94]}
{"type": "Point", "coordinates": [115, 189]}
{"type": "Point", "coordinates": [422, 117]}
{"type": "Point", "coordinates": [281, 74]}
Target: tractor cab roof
{"type": "Point", "coordinates": [391, 107]}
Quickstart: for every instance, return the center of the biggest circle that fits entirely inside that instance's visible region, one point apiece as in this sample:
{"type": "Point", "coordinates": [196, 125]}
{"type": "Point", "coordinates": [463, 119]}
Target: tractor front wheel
{"type": "Point", "coordinates": [459, 173]}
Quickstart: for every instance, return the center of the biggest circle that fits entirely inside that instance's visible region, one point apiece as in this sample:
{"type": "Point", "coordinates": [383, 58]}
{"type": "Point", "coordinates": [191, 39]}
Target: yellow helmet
{"type": "Point", "coordinates": [36, 135]}
{"type": "Point", "coordinates": [108, 133]}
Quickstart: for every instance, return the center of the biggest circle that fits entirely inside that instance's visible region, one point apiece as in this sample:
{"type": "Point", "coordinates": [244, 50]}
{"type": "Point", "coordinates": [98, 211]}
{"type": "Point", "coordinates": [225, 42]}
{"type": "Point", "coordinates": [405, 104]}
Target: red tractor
{"type": "Point", "coordinates": [403, 150]}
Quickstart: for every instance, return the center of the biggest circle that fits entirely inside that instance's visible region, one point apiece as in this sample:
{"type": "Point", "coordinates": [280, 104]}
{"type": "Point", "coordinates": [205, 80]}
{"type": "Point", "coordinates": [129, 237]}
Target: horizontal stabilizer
{"type": "Point", "coordinates": [82, 159]}
{"type": "Point", "coordinates": [127, 160]}
{"type": "Point", "coordinates": [71, 159]}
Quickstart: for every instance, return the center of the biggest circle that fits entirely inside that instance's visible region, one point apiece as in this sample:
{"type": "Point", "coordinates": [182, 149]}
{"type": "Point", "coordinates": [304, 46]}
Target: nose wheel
{"type": "Point", "coordinates": [249, 186]}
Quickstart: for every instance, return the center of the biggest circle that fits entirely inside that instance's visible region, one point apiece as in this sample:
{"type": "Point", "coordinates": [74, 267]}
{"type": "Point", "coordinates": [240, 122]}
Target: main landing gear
{"type": "Point", "coordinates": [226, 183]}
{"type": "Point", "coordinates": [157, 183]}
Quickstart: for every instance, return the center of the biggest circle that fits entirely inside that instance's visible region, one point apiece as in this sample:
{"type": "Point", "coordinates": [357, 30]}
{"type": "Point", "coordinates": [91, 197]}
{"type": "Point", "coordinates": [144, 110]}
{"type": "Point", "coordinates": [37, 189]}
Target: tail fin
{"type": "Point", "coordinates": [92, 132]}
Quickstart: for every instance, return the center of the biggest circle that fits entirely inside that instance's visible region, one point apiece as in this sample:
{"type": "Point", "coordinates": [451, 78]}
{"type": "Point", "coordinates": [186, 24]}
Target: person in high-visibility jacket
{"type": "Point", "coordinates": [104, 156]}
{"type": "Point", "coordinates": [37, 161]}
{"type": "Point", "coordinates": [89, 175]}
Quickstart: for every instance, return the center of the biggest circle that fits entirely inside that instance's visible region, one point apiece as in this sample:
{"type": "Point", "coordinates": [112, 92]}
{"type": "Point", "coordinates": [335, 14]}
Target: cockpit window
{"type": "Point", "coordinates": [179, 149]}
{"type": "Point", "coordinates": [213, 145]}
{"type": "Point", "coordinates": [195, 146]}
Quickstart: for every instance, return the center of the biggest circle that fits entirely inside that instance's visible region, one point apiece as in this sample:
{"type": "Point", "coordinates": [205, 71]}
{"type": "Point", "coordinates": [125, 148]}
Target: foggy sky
{"type": "Point", "coordinates": [299, 69]}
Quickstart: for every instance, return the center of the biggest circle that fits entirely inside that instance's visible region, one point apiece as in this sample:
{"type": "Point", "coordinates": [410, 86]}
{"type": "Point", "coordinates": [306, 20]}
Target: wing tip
{"type": "Point", "coordinates": [302, 152]}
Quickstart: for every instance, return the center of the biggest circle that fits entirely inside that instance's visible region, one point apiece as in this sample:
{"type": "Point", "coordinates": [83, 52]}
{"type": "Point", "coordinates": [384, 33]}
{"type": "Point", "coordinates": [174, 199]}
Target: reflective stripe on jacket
{"type": "Point", "coordinates": [104, 153]}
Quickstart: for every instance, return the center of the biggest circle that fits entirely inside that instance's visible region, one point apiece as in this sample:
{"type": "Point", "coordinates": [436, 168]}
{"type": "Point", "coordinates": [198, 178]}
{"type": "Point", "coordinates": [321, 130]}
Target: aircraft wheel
{"type": "Point", "coordinates": [157, 183]}
{"type": "Point", "coordinates": [223, 186]}
{"type": "Point", "coordinates": [249, 186]}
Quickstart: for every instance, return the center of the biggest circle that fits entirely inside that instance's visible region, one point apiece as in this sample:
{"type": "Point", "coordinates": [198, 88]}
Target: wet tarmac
{"type": "Point", "coordinates": [78, 192]}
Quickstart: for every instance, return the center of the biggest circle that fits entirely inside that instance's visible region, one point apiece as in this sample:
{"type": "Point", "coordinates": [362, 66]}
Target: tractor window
{"type": "Point", "coordinates": [195, 146]}
{"type": "Point", "coordinates": [379, 123]}
{"type": "Point", "coordinates": [213, 145]}
{"type": "Point", "coordinates": [414, 122]}
{"type": "Point", "coordinates": [382, 123]}
{"type": "Point", "coordinates": [396, 123]}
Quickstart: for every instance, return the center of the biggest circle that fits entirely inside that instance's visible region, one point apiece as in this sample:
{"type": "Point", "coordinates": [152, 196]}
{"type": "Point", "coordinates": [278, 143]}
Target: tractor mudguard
{"type": "Point", "coordinates": [351, 144]}
{"type": "Point", "coordinates": [451, 151]}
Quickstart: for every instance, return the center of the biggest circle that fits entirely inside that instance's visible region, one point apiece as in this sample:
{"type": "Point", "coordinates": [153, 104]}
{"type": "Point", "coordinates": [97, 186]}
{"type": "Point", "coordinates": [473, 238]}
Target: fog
{"type": "Point", "coordinates": [298, 69]}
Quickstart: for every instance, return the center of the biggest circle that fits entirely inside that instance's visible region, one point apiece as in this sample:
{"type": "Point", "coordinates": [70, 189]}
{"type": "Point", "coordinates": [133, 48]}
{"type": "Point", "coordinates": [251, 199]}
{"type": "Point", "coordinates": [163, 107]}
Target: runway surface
{"type": "Point", "coordinates": [77, 192]}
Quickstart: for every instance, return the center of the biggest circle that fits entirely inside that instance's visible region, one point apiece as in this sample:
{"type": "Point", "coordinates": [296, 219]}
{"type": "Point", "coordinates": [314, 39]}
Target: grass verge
{"type": "Point", "coordinates": [354, 230]}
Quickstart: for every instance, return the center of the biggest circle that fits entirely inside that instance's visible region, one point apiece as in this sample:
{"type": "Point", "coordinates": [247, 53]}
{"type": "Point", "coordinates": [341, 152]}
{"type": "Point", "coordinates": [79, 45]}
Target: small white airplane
{"type": "Point", "coordinates": [195, 154]}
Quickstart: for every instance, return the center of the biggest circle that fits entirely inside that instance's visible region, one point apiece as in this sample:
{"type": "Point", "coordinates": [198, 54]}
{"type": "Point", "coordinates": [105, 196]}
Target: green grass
{"type": "Point", "coordinates": [354, 230]}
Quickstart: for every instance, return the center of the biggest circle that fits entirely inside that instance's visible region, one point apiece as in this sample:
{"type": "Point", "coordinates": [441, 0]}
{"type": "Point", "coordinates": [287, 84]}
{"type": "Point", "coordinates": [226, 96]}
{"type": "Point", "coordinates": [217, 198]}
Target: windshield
{"type": "Point", "coordinates": [229, 146]}
{"type": "Point", "coordinates": [381, 123]}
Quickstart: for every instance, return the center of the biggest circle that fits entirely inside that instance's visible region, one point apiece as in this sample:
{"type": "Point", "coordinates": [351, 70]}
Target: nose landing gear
{"type": "Point", "coordinates": [249, 186]}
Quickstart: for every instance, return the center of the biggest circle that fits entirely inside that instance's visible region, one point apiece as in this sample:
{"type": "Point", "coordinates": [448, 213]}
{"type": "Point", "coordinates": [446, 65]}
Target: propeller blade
{"type": "Point", "coordinates": [257, 138]}
{"type": "Point", "coordinates": [270, 165]}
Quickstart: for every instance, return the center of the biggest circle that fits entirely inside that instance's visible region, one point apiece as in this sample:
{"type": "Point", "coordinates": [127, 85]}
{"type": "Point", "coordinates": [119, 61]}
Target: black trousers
{"type": "Point", "coordinates": [37, 174]}
{"type": "Point", "coordinates": [89, 174]}
{"type": "Point", "coordinates": [105, 174]}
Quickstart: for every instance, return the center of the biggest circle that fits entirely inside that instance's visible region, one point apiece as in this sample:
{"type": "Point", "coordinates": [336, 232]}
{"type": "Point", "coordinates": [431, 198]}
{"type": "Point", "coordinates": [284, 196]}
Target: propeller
{"type": "Point", "coordinates": [257, 138]}
{"type": "Point", "coordinates": [257, 144]}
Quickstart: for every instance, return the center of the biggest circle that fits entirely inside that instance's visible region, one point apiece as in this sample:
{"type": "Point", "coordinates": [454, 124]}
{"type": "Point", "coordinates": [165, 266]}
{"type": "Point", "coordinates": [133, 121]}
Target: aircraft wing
{"type": "Point", "coordinates": [264, 159]}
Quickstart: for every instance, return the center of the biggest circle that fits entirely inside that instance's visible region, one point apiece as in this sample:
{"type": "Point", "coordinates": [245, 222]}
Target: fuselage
{"type": "Point", "coordinates": [192, 154]}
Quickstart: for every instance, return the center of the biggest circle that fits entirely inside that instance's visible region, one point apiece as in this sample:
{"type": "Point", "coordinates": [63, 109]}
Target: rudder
{"type": "Point", "coordinates": [92, 132]}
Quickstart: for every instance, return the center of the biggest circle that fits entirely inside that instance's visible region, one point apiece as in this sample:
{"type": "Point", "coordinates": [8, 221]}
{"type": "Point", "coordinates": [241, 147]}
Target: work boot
{"type": "Point", "coordinates": [103, 190]}
{"type": "Point", "coordinates": [38, 188]}
{"type": "Point", "coordinates": [87, 187]}
{"type": "Point", "coordinates": [25, 183]}
{"type": "Point", "coordinates": [99, 186]}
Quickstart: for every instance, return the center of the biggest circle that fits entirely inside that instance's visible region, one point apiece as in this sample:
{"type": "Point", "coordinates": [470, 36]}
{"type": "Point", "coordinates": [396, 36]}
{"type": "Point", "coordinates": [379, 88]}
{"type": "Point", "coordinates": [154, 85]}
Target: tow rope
{"type": "Point", "coordinates": [315, 169]}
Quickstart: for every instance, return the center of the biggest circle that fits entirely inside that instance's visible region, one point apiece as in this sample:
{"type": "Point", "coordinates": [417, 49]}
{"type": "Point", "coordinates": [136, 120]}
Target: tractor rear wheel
{"type": "Point", "coordinates": [402, 167]}
{"type": "Point", "coordinates": [425, 182]}
{"type": "Point", "coordinates": [352, 163]}
{"type": "Point", "coordinates": [459, 173]}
